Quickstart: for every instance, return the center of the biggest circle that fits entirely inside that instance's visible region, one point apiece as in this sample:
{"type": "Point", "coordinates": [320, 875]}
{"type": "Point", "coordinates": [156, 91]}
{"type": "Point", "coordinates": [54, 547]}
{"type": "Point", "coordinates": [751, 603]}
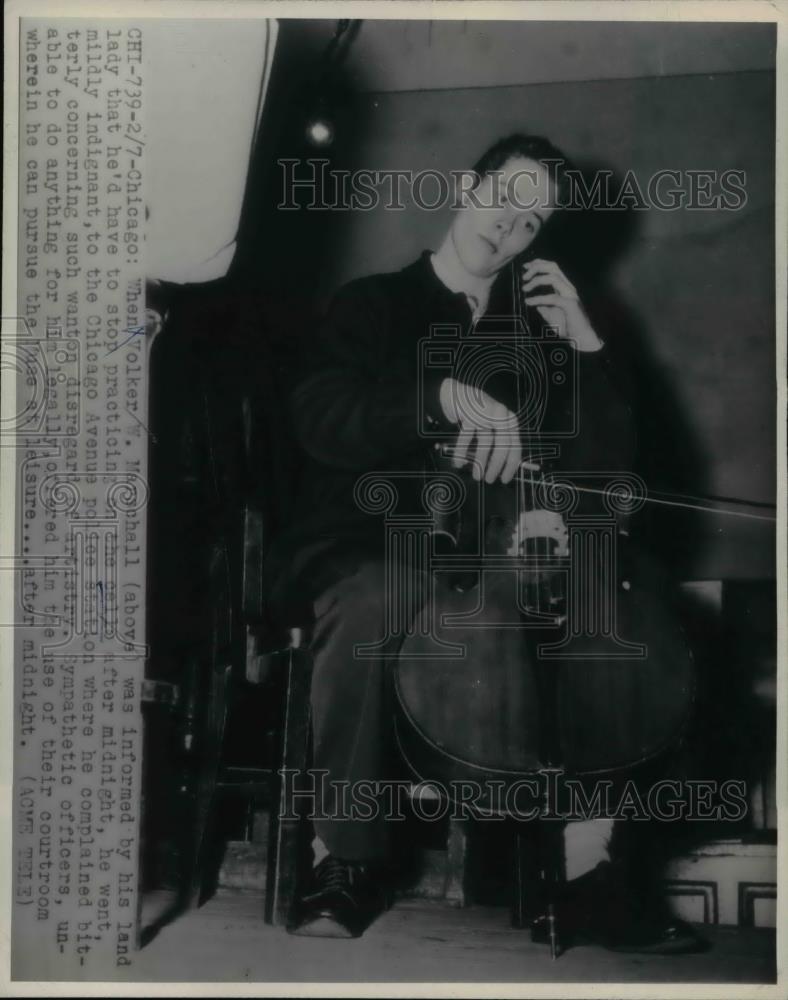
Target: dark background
{"type": "Point", "coordinates": [687, 296]}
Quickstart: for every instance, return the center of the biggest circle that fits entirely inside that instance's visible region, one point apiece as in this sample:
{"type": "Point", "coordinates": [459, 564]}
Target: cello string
{"type": "Point", "coordinates": [539, 581]}
{"type": "Point", "coordinates": [529, 501]}
{"type": "Point", "coordinates": [551, 595]}
{"type": "Point", "coordinates": [535, 583]}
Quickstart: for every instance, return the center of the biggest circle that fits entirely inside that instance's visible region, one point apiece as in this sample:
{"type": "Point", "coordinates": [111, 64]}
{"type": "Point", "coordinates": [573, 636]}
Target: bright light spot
{"type": "Point", "coordinates": [320, 133]}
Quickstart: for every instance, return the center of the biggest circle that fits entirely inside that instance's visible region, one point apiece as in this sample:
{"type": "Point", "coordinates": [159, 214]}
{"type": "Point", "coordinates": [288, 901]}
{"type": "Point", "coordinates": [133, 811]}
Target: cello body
{"type": "Point", "coordinates": [509, 706]}
{"type": "Point", "coordinates": [567, 649]}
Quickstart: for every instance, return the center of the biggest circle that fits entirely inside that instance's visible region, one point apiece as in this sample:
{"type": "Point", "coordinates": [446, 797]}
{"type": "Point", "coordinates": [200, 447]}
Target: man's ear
{"type": "Point", "coordinates": [465, 181]}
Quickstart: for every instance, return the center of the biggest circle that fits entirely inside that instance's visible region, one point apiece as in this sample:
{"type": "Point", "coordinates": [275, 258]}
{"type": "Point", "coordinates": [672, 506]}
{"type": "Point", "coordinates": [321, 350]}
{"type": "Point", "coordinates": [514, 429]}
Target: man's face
{"type": "Point", "coordinates": [502, 216]}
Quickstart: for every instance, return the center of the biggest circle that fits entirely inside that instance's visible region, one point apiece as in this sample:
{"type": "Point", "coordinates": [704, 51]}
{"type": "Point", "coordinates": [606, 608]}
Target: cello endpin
{"type": "Point", "coordinates": [552, 930]}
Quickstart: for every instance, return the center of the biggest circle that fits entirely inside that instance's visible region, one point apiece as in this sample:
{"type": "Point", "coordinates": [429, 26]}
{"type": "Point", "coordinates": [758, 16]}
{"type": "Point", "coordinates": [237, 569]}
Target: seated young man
{"type": "Point", "coordinates": [355, 410]}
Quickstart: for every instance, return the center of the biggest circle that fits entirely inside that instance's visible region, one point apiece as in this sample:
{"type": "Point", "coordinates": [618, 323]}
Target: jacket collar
{"type": "Point", "coordinates": [422, 273]}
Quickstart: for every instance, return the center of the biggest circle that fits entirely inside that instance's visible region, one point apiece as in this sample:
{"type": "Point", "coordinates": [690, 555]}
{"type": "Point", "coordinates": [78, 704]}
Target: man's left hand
{"type": "Point", "coordinates": [561, 306]}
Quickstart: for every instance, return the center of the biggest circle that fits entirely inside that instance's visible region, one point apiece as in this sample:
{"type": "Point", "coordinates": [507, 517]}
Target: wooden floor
{"type": "Point", "coordinates": [226, 940]}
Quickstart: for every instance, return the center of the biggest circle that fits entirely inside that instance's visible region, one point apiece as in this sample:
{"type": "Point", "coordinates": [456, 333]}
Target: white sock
{"type": "Point", "coordinates": [319, 850]}
{"type": "Point", "coordinates": [586, 844]}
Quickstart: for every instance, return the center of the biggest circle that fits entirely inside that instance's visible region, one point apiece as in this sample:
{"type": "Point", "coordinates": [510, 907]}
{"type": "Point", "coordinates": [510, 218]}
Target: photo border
{"type": "Point", "coordinates": [682, 11]}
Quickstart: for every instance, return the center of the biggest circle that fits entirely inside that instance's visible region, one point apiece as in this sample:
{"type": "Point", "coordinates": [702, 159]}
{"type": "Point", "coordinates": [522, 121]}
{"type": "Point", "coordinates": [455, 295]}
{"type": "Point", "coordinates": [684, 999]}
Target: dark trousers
{"type": "Point", "coordinates": [343, 591]}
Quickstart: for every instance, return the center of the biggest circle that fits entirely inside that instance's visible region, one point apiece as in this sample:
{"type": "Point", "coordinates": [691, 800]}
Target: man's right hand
{"type": "Point", "coordinates": [489, 436]}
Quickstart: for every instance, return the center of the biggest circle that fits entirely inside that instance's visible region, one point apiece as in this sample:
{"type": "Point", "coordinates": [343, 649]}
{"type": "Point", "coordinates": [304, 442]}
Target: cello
{"type": "Point", "coordinates": [550, 651]}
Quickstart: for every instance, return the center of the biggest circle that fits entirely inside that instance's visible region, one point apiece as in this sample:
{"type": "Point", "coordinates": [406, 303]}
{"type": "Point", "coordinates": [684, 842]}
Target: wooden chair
{"type": "Point", "coordinates": [216, 445]}
{"type": "Point", "coordinates": [217, 439]}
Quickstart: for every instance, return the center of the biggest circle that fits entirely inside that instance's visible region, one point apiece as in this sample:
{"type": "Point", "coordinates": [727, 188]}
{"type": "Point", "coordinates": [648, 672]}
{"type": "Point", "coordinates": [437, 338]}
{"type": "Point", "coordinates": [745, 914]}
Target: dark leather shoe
{"type": "Point", "coordinates": [652, 936]}
{"type": "Point", "coordinates": [600, 908]}
{"type": "Point", "coordinates": [341, 901]}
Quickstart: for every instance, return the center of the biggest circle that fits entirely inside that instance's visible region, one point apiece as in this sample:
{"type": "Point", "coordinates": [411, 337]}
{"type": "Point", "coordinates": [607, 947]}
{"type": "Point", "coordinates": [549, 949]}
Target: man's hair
{"type": "Point", "coordinates": [530, 147]}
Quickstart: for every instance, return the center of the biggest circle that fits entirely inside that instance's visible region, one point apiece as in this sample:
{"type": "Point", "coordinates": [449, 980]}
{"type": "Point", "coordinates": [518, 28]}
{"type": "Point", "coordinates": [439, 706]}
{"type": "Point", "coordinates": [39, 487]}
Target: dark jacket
{"type": "Point", "coordinates": [367, 398]}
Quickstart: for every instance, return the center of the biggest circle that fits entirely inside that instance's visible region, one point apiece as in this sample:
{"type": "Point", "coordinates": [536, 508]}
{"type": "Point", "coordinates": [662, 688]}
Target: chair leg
{"type": "Point", "coordinates": [553, 881]}
{"type": "Point", "coordinates": [526, 888]}
{"type": "Point", "coordinates": [456, 862]}
{"type": "Point", "coordinates": [203, 787]}
{"type": "Point", "coordinates": [284, 844]}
